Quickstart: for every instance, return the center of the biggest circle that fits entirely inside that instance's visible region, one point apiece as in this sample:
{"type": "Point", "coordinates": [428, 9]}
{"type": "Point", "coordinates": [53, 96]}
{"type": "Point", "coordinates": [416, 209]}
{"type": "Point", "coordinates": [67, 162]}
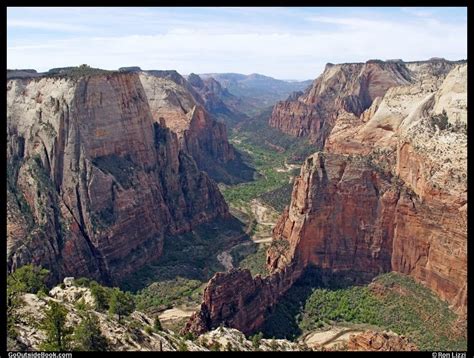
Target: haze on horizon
{"type": "Point", "coordinates": [285, 43]}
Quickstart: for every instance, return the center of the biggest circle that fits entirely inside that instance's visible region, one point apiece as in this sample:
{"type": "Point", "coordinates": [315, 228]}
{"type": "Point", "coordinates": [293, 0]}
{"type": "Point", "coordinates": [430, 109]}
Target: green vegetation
{"type": "Point", "coordinates": [26, 279]}
{"type": "Point", "coordinates": [392, 301]}
{"type": "Point", "coordinates": [121, 303]}
{"type": "Point", "coordinates": [88, 336]}
{"type": "Point", "coordinates": [77, 72]}
{"type": "Point", "coordinates": [265, 161]}
{"type": "Point", "coordinates": [269, 151]}
{"type": "Point", "coordinates": [191, 256]}
{"type": "Point", "coordinates": [163, 294]}
{"type": "Point", "coordinates": [278, 198]}
{"type": "Point", "coordinates": [58, 336]}
{"type": "Point", "coordinates": [256, 340]}
{"type": "Point", "coordinates": [102, 296]}
{"type": "Point", "coordinates": [254, 261]}
{"type": "Point", "coordinates": [257, 133]}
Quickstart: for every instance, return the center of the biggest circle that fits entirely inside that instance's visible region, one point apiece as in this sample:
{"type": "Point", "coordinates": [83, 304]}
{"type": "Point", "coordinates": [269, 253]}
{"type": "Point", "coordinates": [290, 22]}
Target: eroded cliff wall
{"type": "Point", "coordinates": [387, 192]}
{"type": "Point", "coordinates": [94, 181]}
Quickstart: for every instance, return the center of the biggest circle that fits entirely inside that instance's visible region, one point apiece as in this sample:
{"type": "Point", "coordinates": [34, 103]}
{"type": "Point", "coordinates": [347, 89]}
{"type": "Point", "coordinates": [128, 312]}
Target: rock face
{"type": "Point", "coordinates": [132, 334]}
{"type": "Point", "coordinates": [95, 183]}
{"type": "Point", "coordinates": [341, 218]}
{"type": "Point", "coordinates": [175, 103]}
{"type": "Point", "coordinates": [376, 341]}
{"type": "Point", "coordinates": [404, 209]}
{"type": "Point", "coordinates": [217, 100]}
{"type": "Point", "coordinates": [346, 91]}
{"type": "Point", "coordinates": [388, 193]}
{"type": "Point", "coordinates": [239, 301]}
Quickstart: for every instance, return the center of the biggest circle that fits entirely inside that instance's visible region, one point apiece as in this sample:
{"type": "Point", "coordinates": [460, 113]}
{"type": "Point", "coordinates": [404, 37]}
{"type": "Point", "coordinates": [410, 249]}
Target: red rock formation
{"type": "Point", "coordinates": [344, 215]}
{"type": "Point", "coordinates": [182, 109]}
{"type": "Point", "coordinates": [100, 182]}
{"type": "Point", "coordinates": [401, 206]}
{"type": "Point", "coordinates": [341, 218]}
{"type": "Point", "coordinates": [345, 88]}
{"type": "Point", "coordinates": [237, 300]}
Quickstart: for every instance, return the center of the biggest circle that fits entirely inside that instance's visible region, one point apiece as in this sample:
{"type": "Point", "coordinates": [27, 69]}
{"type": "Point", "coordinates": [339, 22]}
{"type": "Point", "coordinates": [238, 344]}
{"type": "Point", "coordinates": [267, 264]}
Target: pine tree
{"type": "Point", "coordinates": [27, 279]}
{"type": "Point", "coordinates": [121, 303]}
{"type": "Point", "coordinates": [88, 336]}
{"type": "Point", "coordinates": [58, 336]}
{"type": "Point", "coordinates": [157, 324]}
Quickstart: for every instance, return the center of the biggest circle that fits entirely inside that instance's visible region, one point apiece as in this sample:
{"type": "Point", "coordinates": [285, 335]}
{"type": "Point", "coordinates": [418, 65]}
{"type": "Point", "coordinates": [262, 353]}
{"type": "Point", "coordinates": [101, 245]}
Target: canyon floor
{"type": "Point", "coordinates": [256, 206]}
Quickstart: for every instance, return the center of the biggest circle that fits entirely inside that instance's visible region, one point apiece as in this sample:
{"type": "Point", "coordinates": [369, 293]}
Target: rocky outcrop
{"type": "Point", "coordinates": [239, 301]}
{"type": "Point", "coordinates": [133, 334]}
{"type": "Point", "coordinates": [175, 102]}
{"type": "Point", "coordinates": [344, 91]}
{"type": "Point", "coordinates": [218, 100]}
{"type": "Point", "coordinates": [97, 180]}
{"type": "Point", "coordinates": [341, 218]}
{"type": "Point", "coordinates": [379, 341]}
{"type": "Point", "coordinates": [405, 208]}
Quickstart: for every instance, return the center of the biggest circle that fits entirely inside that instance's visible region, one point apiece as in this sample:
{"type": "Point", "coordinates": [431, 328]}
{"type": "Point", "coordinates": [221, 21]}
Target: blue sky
{"type": "Point", "coordinates": [286, 43]}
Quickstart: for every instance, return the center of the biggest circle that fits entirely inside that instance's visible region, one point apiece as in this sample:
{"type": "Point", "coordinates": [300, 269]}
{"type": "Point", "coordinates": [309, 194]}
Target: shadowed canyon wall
{"type": "Point", "coordinates": [94, 181]}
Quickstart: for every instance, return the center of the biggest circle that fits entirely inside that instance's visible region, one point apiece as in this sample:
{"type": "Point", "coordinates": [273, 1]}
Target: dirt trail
{"type": "Point", "coordinates": [335, 335]}
{"type": "Point", "coordinates": [176, 313]}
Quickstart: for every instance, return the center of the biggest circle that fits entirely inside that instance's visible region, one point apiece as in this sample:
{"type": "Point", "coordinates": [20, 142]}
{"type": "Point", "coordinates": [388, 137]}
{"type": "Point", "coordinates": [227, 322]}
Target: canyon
{"type": "Point", "coordinates": [98, 177]}
{"type": "Point", "coordinates": [385, 191]}
{"type": "Point", "coordinates": [104, 167]}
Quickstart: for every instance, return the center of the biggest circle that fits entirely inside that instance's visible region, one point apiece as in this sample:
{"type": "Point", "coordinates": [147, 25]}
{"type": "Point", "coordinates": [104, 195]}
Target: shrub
{"type": "Point", "coordinates": [88, 336]}
{"type": "Point", "coordinates": [157, 324]}
{"type": "Point", "coordinates": [121, 303]}
{"type": "Point", "coordinates": [149, 330]}
{"type": "Point", "coordinates": [82, 282]}
{"type": "Point", "coordinates": [27, 279]}
{"type": "Point", "coordinates": [256, 340]}
{"type": "Point", "coordinates": [58, 336]}
{"type": "Point", "coordinates": [101, 296]}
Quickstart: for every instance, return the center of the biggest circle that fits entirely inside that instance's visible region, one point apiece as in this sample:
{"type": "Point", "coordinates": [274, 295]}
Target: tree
{"type": "Point", "coordinates": [121, 303]}
{"type": "Point", "coordinates": [157, 324]}
{"type": "Point", "coordinates": [101, 296]}
{"type": "Point", "coordinates": [88, 336]}
{"type": "Point", "coordinates": [54, 323]}
{"type": "Point", "coordinates": [256, 340]}
{"type": "Point", "coordinates": [27, 279]}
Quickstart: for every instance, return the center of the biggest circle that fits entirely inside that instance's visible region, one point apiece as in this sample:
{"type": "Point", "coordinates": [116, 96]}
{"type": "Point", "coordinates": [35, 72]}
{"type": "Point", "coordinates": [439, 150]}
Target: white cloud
{"type": "Point", "coordinates": [202, 46]}
{"type": "Point", "coordinates": [47, 25]}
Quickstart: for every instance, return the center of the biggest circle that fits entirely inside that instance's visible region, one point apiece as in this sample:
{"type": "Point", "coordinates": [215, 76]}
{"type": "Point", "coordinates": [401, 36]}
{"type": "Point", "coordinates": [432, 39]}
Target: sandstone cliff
{"type": "Point", "coordinates": [95, 183]}
{"type": "Point", "coordinates": [182, 109]}
{"type": "Point", "coordinates": [218, 100]}
{"type": "Point", "coordinates": [404, 209]}
{"type": "Point", "coordinates": [237, 300]}
{"type": "Point", "coordinates": [344, 92]}
{"type": "Point", "coordinates": [388, 193]}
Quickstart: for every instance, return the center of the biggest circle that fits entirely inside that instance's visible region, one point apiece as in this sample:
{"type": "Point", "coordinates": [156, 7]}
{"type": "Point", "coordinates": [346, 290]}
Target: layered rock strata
{"type": "Point", "coordinates": [182, 109]}
{"type": "Point", "coordinates": [95, 183]}
{"type": "Point", "coordinates": [345, 91]}
{"type": "Point", "coordinates": [389, 193]}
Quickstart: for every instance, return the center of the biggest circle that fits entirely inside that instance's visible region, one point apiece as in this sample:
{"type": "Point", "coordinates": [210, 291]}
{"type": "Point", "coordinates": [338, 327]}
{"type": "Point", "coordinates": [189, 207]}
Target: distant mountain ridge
{"type": "Point", "coordinates": [255, 90]}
